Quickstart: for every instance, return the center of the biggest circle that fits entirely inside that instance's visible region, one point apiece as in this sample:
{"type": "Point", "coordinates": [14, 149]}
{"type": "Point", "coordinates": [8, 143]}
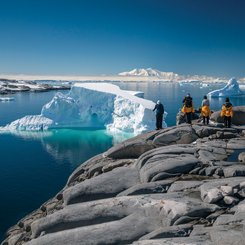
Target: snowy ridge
{"type": "Point", "coordinates": [93, 105]}
{"type": "Point", "coordinates": [149, 72]}
{"type": "Point", "coordinates": [153, 74]}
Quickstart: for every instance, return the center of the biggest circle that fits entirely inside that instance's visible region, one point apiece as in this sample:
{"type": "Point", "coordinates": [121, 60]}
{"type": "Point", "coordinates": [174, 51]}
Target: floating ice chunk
{"type": "Point", "coordinates": [93, 105]}
{"type": "Point", "coordinates": [7, 98]}
{"type": "Point", "coordinates": [230, 90]}
{"type": "Point", "coordinates": [29, 123]}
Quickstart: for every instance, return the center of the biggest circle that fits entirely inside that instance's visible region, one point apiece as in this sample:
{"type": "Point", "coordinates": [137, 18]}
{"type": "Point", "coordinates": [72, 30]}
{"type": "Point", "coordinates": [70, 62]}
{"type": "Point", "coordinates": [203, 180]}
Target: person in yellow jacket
{"type": "Point", "coordinates": [227, 113]}
{"type": "Point", "coordinates": [188, 108]}
{"type": "Point", "coordinates": [205, 110]}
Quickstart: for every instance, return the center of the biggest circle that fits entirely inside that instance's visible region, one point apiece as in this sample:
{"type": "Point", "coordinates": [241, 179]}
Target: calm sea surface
{"type": "Point", "coordinates": [35, 166]}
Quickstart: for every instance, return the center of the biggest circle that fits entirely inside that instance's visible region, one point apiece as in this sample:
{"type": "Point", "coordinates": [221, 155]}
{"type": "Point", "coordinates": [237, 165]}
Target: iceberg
{"type": "Point", "coordinates": [93, 105]}
{"type": "Point", "coordinates": [230, 90]}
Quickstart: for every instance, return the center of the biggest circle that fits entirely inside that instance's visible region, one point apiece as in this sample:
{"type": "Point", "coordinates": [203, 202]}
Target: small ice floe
{"type": "Point", "coordinates": [3, 99]}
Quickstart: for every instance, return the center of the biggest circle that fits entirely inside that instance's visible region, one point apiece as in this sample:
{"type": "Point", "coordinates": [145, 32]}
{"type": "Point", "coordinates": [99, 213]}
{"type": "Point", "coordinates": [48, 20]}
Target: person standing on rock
{"type": "Point", "coordinates": [205, 110]}
{"type": "Point", "coordinates": [188, 108]}
{"type": "Point", "coordinates": [159, 108]}
{"type": "Point", "coordinates": [227, 113]}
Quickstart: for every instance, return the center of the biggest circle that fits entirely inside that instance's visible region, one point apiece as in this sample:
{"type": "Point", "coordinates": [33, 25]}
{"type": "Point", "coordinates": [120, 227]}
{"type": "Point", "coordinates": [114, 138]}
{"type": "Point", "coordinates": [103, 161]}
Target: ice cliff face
{"type": "Point", "coordinates": [93, 105]}
{"type": "Point", "coordinates": [230, 90]}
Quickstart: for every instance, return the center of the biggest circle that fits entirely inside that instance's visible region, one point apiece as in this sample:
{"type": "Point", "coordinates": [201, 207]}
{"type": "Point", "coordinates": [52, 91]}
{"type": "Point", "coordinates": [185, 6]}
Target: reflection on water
{"type": "Point", "coordinates": [73, 145]}
{"type": "Point", "coordinates": [36, 165]}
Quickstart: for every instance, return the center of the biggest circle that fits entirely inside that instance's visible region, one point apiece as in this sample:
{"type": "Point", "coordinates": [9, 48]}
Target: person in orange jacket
{"type": "Point", "coordinates": [205, 110]}
{"type": "Point", "coordinates": [188, 108]}
{"type": "Point", "coordinates": [227, 113]}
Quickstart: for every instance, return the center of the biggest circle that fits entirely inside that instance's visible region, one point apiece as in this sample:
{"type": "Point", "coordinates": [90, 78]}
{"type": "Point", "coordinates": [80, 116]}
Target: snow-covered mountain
{"type": "Point", "coordinates": [149, 72]}
{"type": "Point", "coordinates": [169, 76]}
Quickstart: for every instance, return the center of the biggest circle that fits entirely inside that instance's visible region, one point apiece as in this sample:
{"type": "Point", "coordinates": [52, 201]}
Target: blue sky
{"type": "Point", "coordinates": [94, 37]}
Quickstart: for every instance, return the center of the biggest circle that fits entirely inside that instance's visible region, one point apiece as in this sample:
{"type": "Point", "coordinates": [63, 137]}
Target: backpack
{"type": "Point", "coordinates": [188, 102]}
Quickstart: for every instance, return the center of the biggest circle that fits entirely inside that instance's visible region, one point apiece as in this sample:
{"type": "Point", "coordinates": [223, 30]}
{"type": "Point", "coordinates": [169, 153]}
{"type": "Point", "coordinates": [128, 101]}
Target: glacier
{"type": "Point", "coordinates": [230, 90]}
{"type": "Point", "coordinates": [92, 105]}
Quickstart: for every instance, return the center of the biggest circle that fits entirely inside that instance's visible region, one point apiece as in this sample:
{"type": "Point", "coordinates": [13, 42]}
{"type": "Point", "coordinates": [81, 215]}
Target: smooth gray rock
{"type": "Point", "coordinates": [206, 156]}
{"type": "Point", "coordinates": [184, 185]}
{"type": "Point", "coordinates": [235, 170]}
{"type": "Point", "coordinates": [170, 231]}
{"type": "Point", "coordinates": [176, 135]}
{"type": "Point", "coordinates": [237, 143]}
{"type": "Point", "coordinates": [212, 191]}
{"type": "Point", "coordinates": [197, 240]}
{"type": "Point", "coordinates": [132, 148]}
{"type": "Point", "coordinates": [127, 219]}
{"type": "Point", "coordinates": [103, 186]}
{"type": "Point", "coordinates": [227, 235]}
{"type": "Point", "coordinates": [146, 188]}
{"type": "Point", "coordinates": [171, 164]}
{"type": "Point", "coordinates": [165, 150]}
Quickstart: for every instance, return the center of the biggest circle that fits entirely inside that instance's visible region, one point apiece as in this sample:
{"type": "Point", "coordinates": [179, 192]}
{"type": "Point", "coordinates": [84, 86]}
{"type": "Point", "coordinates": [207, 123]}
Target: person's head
{"type": "Point", "coordinates": [227, 100]}
{"type": "Point", "coordinates": [158, 102]}
{"type": "Point", "coordinates": [205, 97]}
{"type": "Point", "coordinates": [188, 95]}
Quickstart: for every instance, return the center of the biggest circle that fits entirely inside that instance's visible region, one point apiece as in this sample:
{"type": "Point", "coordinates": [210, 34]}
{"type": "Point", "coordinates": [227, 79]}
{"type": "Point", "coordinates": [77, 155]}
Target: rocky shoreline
{"type": "Point", "coordinates": [8, 87]}
{"type": "Point", "coordinates": [180, 185]}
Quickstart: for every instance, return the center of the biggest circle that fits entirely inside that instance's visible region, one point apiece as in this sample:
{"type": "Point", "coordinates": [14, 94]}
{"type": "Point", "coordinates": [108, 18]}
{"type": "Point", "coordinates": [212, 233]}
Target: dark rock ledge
{"type": "Point", "coordinates": [180, 185]}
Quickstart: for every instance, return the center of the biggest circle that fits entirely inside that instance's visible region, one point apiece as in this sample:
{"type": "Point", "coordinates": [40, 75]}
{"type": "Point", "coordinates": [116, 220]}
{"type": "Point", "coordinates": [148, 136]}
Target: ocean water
{"type": "Point", "coordinates": [35, 166]}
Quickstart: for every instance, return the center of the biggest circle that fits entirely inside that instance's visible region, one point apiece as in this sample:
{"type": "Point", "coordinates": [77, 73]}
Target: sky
{"type": "Point", "coordinates": [97, 37]}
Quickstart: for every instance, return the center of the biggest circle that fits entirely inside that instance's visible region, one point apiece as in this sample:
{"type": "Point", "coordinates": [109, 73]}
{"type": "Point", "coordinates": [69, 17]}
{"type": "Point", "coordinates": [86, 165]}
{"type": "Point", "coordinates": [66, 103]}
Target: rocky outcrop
{"type": "Point", "coordinates": [179, 185]}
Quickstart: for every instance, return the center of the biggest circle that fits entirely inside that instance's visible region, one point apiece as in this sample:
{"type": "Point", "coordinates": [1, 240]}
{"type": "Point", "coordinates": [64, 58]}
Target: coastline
{"type": "Point", "coordinates": [116, 78]}
{"type": "Point", "coordinates": [134, 183]}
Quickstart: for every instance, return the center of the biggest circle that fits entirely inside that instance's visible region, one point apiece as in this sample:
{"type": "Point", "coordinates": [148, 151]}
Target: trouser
{"type": "Point", "coordinates": [159, 118]}
{"type": "Point", "coordinates": [227, 122]}
{"type": "Point", "coordinates": [188, 117]}
{"type": "Point", "coordinates": [205, 119]}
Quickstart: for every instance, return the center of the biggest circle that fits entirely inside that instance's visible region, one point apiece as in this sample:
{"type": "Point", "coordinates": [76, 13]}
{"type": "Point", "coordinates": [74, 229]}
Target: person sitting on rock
{"type": "Point", "coordinates": [159, 108]}
{"type": "Point", "coordinates": [205, 110]}
{"type": "Point", "coordinates": [188, 108]}
{"type": "Point", "coordinates": [227, 113]}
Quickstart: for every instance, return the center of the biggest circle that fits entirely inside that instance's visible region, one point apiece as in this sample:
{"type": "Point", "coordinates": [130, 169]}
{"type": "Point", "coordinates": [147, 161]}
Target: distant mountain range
{"type": "Point", "coordinates": [149, 72]}
{"type": "Point", "coordinates": [171, 76]}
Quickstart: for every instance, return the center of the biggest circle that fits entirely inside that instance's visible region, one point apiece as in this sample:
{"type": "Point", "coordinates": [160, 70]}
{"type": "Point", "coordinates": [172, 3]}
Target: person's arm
{"type": "Point", "coordinates": [155, 108]}
{"type": "Point", "coordinates": [222, 113]}
{"type": "Point", "coordinates": [231, 111]}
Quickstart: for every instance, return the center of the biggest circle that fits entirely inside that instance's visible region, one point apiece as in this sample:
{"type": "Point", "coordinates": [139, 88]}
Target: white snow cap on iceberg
{"type": "Point", "coordinates": [230, 90]}
{"type": "Point", "coordinates": [93, 105]}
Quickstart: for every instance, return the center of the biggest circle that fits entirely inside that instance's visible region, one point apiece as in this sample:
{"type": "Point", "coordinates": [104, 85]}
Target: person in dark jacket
{"type": "Point", "coordinates": [159, 108]}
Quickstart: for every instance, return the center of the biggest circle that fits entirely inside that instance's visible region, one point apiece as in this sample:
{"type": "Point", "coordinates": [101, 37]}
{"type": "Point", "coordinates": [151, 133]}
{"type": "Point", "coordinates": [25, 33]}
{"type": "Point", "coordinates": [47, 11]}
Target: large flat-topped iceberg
{"type": "Point", "coordinates": [93, 105]}
{"type": "Point", "coordinates": [230, 90]}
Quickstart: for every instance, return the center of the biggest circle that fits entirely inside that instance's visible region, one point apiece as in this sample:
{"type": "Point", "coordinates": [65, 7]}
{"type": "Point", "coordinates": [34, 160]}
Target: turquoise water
{"type": "Point", "coordinates": [35, 166]}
